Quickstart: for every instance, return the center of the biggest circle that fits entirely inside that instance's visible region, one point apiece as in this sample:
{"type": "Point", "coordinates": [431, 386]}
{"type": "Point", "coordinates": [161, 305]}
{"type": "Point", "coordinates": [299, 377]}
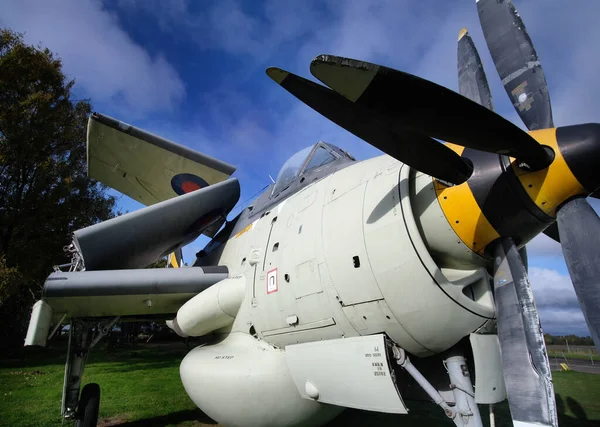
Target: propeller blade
{"type": "Point", "coordinates": [526, 368]}
{"type": "Point", "coordinates": [472, 82]}
{"type": "Point", "coordinates": [418, 151]}
{"type": "Point", "coordinates": [517, 62]}
{"type": "Point", "coordinates": [552, 232]}
{"type": "Point", "coordinates": [524, 258]}
{"type": "Point", "coordinates": [427, 108]}
{"type": "Point", "coordinates": [579, 229]}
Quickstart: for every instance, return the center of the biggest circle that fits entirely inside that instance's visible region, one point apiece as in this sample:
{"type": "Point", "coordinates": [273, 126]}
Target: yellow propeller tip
{"type": "Point", "coordinates": [462, 33]}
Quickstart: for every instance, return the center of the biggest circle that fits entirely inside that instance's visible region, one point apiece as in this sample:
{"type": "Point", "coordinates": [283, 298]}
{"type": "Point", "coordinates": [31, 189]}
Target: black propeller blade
{"type": "Point", "coordinates": [428, 108]}
{"type": "Point", "coordinates": [526, 368]}
{"type": "Point", "coordinates": [552, 232]}
{"type": "Point", "coordinates": [418, 151]}
{"type": "Point", "coordinates": [516, 61]}
{"type": "Point", "coordinates": [579, 229]}
{"type": "Point", "coordinates": [472, 82]}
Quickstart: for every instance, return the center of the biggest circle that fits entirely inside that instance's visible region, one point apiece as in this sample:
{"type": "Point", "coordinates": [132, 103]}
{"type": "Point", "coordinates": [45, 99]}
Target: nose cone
{"type": "Point", "coordinates": [580, 147]}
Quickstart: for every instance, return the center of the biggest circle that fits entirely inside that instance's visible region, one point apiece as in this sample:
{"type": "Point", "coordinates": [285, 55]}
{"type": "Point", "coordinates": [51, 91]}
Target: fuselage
{"type": "Point", "coordinates": [363, 248]}
{"type": "Point", "coordinates": [345, 256]}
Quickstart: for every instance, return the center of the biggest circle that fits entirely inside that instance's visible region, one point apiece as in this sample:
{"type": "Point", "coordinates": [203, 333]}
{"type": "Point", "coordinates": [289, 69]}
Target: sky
{"type": "Point", "coordinates": [194, 72]}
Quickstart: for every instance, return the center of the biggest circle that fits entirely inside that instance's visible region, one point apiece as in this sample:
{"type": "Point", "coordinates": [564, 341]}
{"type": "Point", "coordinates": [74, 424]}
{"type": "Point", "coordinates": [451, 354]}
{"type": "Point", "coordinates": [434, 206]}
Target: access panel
{"type": "Point", "coordinates": [350, 372]}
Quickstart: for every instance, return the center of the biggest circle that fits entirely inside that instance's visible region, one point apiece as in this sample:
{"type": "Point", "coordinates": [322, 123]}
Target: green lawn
{"type": "Point", "coordinates": [141, 387]}
{"type": "Point", "coordinates": [572, 355]}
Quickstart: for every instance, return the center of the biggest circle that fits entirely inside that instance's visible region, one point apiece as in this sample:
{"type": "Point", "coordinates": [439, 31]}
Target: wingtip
{"type": "Point", "coordinates": [462, 33]}
{"type": "Point", "coordinates": [277, 74]}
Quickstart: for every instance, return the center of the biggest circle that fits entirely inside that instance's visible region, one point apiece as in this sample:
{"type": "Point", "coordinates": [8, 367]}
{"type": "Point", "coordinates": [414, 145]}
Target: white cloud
{"type": "Point", "coordinates": [543, 245]}
{"type": "Point", "coordinates": [108, 65]}
{"type": "Point", "coordinates": [552, 289]}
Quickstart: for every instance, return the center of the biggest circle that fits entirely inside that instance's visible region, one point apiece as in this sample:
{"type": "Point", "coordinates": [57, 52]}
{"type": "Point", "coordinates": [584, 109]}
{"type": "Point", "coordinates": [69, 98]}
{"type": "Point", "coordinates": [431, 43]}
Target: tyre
{"type": "Point", "coordinates": [89, 405]}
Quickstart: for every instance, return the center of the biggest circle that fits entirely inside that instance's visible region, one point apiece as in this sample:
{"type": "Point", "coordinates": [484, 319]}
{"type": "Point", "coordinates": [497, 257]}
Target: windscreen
{"type": "Point", "coordinates": [290, 169]}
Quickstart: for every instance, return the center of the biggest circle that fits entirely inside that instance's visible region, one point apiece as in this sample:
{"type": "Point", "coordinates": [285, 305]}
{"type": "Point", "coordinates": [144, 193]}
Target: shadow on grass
{"type": "Point", "coordinates": [56, 355]}
{"type": "Point", "coordinates": [428, 414]}
{"type": "Point", "coordinates": [172, 418]}
{"type": "Point", "coordinates": [32, 356]}
{"type": "Point", "coordinates": [580, 419]}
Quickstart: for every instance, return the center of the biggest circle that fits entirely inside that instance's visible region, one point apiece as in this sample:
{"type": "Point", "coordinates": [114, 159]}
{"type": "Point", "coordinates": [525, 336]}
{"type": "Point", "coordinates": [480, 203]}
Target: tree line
{"type": "Point", "coordinates": [571, 339]}
{"type": "Point", "coordinates": [45, 194]}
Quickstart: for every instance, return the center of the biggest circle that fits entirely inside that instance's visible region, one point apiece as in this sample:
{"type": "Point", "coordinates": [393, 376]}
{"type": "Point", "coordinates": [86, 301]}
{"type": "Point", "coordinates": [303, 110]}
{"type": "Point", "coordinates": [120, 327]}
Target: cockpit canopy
{"type": "Point", "coordinates": [310, 158]}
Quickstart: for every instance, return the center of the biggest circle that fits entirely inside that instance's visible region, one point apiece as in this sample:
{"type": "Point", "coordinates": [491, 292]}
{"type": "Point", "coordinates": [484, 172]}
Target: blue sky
{"type": "Point", "coordinates": [193, 72]}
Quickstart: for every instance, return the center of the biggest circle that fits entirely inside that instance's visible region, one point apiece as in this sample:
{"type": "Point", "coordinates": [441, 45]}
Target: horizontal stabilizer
{"type": "Point", "coordinates": [139, 238]}
{"type": "Point", "coordinates": [145, 166]}
{"type": "Point", "coordinates": [142, 292]}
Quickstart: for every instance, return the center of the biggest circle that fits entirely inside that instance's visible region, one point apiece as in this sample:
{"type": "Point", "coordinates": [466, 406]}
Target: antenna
{"type": "Point", "coordinates": [272, 180]}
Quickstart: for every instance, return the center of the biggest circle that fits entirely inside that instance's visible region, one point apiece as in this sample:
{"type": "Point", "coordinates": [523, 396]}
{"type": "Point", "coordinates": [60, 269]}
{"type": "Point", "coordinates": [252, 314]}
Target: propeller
{"type": "Point", "coordinates": [427, 108]}
{"type": "Point", "coordinates": [516, 61]}
{"type": "Point", "coordinates": [579, 230]}
{"type": "Point", "coordinates": [552, 232]}
{"type": "Point", "coordinates": [526, 367]}
{"type": "Point", "coordinates": [578, 225]}
{"type": "Point", "coordinates": [472, 82]}
{"type": "Point", "coordinates": [524, 357]}
{"type": "Point", "coordinates": [418, 151]}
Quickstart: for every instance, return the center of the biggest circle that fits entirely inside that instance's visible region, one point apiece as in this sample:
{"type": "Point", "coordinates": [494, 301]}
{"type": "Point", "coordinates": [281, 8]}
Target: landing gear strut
{"type": "Point", "coordinates": [465, 412]}
{"type": "Point", "coordinates": [84, 408]}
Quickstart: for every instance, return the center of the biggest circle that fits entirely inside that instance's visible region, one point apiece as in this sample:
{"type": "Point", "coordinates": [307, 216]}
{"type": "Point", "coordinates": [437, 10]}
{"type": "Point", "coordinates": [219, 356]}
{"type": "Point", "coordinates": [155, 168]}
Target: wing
{"type": "Point", "coordinates": [138, 292]}
{"type": "Point", "coordinates": [139, 238]}
{"type": "Point", "coordinates": [146, 167]}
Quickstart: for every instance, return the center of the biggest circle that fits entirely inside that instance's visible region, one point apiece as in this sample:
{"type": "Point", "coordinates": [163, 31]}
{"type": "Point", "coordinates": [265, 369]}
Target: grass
{"type": "Point", "coordinates": [581, 356]}
{"type": "Point", "coordinates": [582, 352]}
{"type": "Point", "coordinates": [141, 387]}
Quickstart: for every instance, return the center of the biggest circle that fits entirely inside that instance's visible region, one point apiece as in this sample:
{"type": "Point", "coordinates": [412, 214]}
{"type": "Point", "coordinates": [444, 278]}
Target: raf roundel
{"type": "Point", "coordinates": [184, 183]}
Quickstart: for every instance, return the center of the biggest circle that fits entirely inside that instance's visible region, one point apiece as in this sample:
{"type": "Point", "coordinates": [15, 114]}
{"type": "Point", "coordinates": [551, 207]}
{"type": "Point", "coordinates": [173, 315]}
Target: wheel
{"type": "Point", "coordinates": [89, 405]}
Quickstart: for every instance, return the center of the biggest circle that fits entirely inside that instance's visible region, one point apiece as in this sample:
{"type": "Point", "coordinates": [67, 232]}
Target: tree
{"type": "Point", "coordinates": [45, 193]}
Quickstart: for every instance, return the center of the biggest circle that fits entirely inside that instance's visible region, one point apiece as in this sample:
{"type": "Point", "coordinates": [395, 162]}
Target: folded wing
{"type": "Point", "coordinates": [139, 238]}
{"type": "Point", "coordinates": [144, 166]}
